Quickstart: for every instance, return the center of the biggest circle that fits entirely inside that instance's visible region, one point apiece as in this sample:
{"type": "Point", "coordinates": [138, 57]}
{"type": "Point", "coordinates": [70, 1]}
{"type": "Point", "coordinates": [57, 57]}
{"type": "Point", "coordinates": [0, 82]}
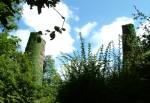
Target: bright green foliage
{"type": "Point", "coordinates": [16, 80]}
{"type": "Point", "coordinates": [17, 76]}
{"type": "Point", "coordinates": [8, 45]}
{"type": "Point", "coordinates": [49, 69]}
{"type": "Point", "coordinates": [50, 74]}
{"type": "Point", "coordinates": [17, 83]}
{"type": "Point", "coordinates": [51, 77]}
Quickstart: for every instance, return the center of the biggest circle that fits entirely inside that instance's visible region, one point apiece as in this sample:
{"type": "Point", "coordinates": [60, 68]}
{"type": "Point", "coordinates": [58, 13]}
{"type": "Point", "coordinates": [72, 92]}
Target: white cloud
{"type": "Point", "coordinates": [23, 35]}
{"type": "Point", "coordinates": [110, 32]}
{"type": "Point", "coordinates": [62, 43]}
{"type": "Point", "coordinates": [141, 29]}
{"type": "Point", "coordinates": [47, 20]}
{"type": "Point", "coordinates": [86, 29]}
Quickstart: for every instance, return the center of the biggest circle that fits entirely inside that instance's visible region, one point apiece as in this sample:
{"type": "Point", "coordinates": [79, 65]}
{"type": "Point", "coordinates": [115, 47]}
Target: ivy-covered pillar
{"type": "Point", "coordinates": [36, 51]}
{"type": "Point", "coordinates": [129, 45]}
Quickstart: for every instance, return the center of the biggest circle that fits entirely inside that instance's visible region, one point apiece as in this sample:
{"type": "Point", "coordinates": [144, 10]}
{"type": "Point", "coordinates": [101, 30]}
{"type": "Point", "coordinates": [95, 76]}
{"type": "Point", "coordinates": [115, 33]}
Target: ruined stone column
{"type": "Point", "coordinates": [129, 44]}
{"type": "Point", "coordinates": [36, 51]}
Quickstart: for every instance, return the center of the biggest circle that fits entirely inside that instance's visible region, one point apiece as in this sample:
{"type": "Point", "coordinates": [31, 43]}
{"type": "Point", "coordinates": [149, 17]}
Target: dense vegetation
{"type": "Point", "coordinates": [88, 77]}
{"type": "Point", "coordinates": [17, 80]}
{"type": "Point", "coordinates": [101, 78]}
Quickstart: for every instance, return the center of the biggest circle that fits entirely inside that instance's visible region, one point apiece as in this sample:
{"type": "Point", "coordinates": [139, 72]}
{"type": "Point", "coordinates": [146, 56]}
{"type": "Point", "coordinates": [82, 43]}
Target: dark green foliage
{"type": "Point", "coordinates": [130, 46]}
{"type": "Point", "coordinates": [144, 42]}
{"type": "Point", "coordinates": [58, 29]}
{"type": "Point", "coordinates": [10, 12]}
{"type": "Point", "coordinates": [52, 35]}
{"type": "Point", "coordinates": [144, 21]}
{"type": "Point", "coordinates": [97, 78]}
{"type": "Point", "coordinates": [39, 39]}
{"type": "Point", "coordinates": [41, 3]}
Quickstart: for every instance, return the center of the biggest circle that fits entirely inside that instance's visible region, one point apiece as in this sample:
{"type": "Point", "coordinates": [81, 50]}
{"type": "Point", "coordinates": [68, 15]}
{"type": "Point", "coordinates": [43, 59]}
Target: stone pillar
{"type": "Point", "coordinates": [36, 51]}
{"type": "Point", "coordinates": [129, 44]}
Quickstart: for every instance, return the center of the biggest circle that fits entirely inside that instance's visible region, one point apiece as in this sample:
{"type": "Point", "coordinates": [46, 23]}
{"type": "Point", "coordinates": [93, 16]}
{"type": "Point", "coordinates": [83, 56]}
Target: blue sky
{"type": "Point", "coordinates": [105, 11]}
{"type": "Point", "coordinates": [99, 21]}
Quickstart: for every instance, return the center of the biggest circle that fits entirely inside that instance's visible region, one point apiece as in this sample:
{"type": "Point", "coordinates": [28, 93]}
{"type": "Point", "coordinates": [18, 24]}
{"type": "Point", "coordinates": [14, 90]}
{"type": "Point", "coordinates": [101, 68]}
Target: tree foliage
{"type": "Point", "coordinates": [10, 10]}
{"type": "Point", "coordinates": [41, 4]}
{"type": "Point", "coordinates": [16, 81]}
{"type": "Point", "coordinates": [49, 70]}
{"type": "Point", "coordinates": [98, 78]}
{"type": "Point", "coordinates": [144, 22]}
{"type": "Point", "coordinates": [17, 84]}
{"type": "Point", "coordinates": [51, 77]}
{"type": "Point", "coordinates": [144, 41]}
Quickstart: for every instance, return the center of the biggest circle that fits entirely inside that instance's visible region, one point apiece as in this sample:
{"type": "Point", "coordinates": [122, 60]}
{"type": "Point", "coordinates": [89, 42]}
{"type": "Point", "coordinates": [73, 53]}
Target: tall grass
{"type": "Point", "coordinates": [98, 78]}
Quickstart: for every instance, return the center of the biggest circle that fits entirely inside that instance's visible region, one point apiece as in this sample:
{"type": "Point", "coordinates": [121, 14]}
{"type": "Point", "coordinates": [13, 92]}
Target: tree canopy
{"type": "Point", "coordinates": [10, 10]}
